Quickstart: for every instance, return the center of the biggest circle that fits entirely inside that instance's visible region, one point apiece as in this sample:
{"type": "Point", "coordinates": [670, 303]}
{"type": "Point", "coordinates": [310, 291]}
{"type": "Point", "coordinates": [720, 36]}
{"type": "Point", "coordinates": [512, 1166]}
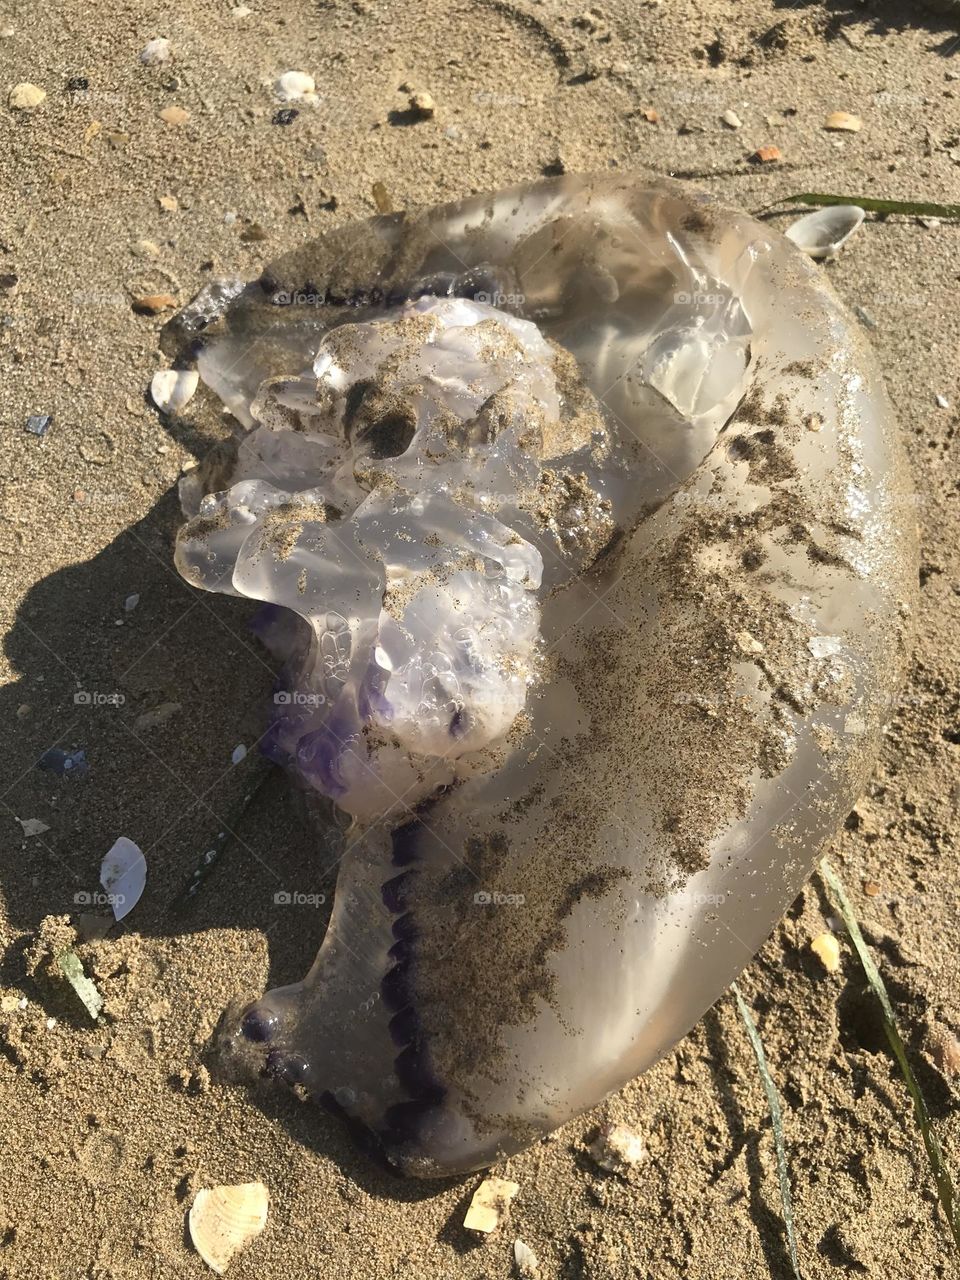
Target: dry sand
{"type": "Point", "coordinates": [107, 1131]}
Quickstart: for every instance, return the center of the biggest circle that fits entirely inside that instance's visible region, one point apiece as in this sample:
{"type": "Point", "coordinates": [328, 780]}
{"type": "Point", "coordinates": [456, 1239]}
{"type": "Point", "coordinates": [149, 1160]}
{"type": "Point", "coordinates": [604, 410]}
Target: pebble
{"type": "Point", "coordinates": [174, 115]}
{"type": "Point", "coordinates": [153, 303]}
{"type": "Point", "coordinates": [766, 155]}
{"type": "Point", "coordinates": [732, 119]}
{"type": "Point", "coordinates": [131, 603]}
{"type": "Point", "coordinates": [843, 122]}
{"type": "Point", "coordinates": [25, 96]}
{"type": "Point", "coordinates": [490, 1204]}
{"type": "Point", "coordinates": [650, 114]}
{"type": "Point", "coordinates": [169, 204]}
{"type": "Point", "coordinates": [286, 115]}
{"type": "Point", "coordinates": [422, 104]}
{"type": "Point", "coordinates": [526, 1262]}
{"type": "Point", "coordinates": [942, 401]}
{"type": "Point", "coordinates": [827, 950]}
{"type": "Point", "coordinates": [155, 51]}
{"type": "Point", "coordinates": [239, 753]}
{"type": "Point", "coordinates": [295, 86]}
{"type": "Point", "coordinates": [38, 424]}
{"type": "Point", "coordinates": [617, 1148]}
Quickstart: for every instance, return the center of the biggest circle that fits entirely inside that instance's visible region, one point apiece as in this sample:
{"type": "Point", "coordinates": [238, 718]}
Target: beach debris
{"type": "Point", "coordinates": [870, 888]}
{"type": "Point", "coordinates": [731, 119]}
{"type": "Point", "coordinates": [286, 115]}
{"type": "Point", "coordinates": [168, 203]}
{"type": "Point", "coordinates": [38, 424]}
{"type": "Point", "coordinates": [25, 96]}
{"type": "Point", "coordinates": [942, 401]}
{"type": "Point", "coordinates": [33, 826]}
{"type": "Point", "coordinates": [843, 122]}
{"type": "Point", "coordinates": [155, 51]}
{"type": "Point", "coordinates": [172, 389]}
{"type": "Point", "coordinates": [748, 643]}
{"type": "Point", "coordinates": [824, 232]}
{"type": "Point", "coordinates": [71, 967]}
{"type": "Point", "coordinates": [174, 115]}
{"type": "Point", "coordinates": [224, 1220]}
{"type": "Point", "coordinates": [944, 1048]}
{"type": "Point", "coordinates": [422, 104]}
{"type": "Point", "coordinates": [152, 304]}
{"type": "Point", "coordinates": [64, 763]}
{"type": "Point", "coordinates": [525, 1261]}
{"type": "Point", "coordinates": [295, 86]}
{"type": "Point", "coordinates": [131, 602]}
{"type": "Point", "coordinates": [617, 1148]}
{"type": "Point", "coordinates": [827, 950]}
{"type": "Point", "coordinates": [123, 874]}
{"type": "Point", "coordinates": [239, 753]}
{"type": "Point", "coordinates": [650, 114]}
{"type": "Point", "coordinates": [490, 1204]}
{"type": "Point", "coordinates": [930, 224]}
{"type": "Point", "coordinates": [766, 155]}
{"type": "Point", "coordinates": [241, 11]}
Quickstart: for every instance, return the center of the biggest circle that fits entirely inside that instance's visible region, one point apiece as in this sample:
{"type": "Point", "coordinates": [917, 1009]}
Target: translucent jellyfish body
{"type": "Point", "coordinates": [587, 538]}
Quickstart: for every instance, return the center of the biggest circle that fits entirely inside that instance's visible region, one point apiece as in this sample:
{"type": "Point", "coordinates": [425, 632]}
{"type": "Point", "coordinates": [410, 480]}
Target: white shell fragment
{"type": "Point", "coordinates": [823, 233]}
{"type": "Point", "coordinates": [223, 1220]}
{"type": "Point", "coordinates": [526, 1261]}
{"type": "Point", "coordinates": [25, 96]}
{"type": "Point", "coordinates": [731, 119]}
{"type": "Point", "coordinates": [155, 51]}
{"type": "Point", "coordinates": [295, 86]}
{"type": "Point", "coordinates": [172, 389]}
{"type": "Point", "coordinates": [123, 874]}
{"type": "Point", "coordinates": [617, 1148]}
{"type": "Point", "coordinates": [33, 826]}
{"type": "Point", "coordinates": [490, 1204]}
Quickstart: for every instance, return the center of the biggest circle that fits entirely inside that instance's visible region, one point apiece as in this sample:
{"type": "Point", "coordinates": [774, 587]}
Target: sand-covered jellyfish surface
{"type": "Point", "coordinates": [586, 548]}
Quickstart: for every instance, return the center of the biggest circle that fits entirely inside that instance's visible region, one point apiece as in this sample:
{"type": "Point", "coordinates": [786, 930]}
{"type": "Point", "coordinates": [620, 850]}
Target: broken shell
{"type": "Point", "coordinates": [766, 155]}
{"type": "Point", "coordinates": [295, 86]}
{"type": "Point", "coordinates": [824, 232]}
{"type": "Point", "coordinates": [617, 1148]}
{"type": "Point", "coordinates": [731, 119]}
{"type": "Point", "coordinates": [525, 1260]}
{"type": "Point", "coordinates": [174, 115]}
{"type": "Point", "coordinates": [843, 122]}
{"type": "Point", "coordinates": [223, 1220]}
{"type": "Point", "coordinates": [422, 104]}
{"type": "Point", "coordinates": [172, 389]}
{"type": "Point", "coordinates": [155, 51]}
{"type": "Point", "coordinates": [123, 874]}
{"type": "Point", "coordinates": [490, 1204]}
{"type": "Point", "coordinates": [25, 96]}
{"type": "Point", "coordinates": [827, 950]}
{"type": "Point", "coordinates": [153, 303]}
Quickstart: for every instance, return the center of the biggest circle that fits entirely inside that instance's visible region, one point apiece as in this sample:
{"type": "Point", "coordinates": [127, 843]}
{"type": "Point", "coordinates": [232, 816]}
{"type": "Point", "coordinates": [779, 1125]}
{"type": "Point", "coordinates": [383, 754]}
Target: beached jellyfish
{"type": "Point", "coordinates": [585, 533]}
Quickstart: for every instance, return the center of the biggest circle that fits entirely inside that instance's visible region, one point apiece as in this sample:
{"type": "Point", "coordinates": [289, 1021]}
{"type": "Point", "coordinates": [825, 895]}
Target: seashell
{"type": "Point", "coordinates": [827, 950]}
{"type": "Point", "coordinates": [123, 874]}
{"type": "Point", "coordinates": [586, 632]}
{"type": "Point", "coordinates": [155, 51]}
{"type": "Point", "coordinates": [617, 1148]}
{"type": "Point", "coordinates": [223, 1220]}
{"type": "Point", "coordinates": [843, 122]}
{"type": "Point", "coordinates": [172, 389]}
{"type": "Point", "coordinates": [295, 86]}
{"type": "Point", "coordinates": [824, 232]}
{"type": "Point", "coordinates": [490, 1205]}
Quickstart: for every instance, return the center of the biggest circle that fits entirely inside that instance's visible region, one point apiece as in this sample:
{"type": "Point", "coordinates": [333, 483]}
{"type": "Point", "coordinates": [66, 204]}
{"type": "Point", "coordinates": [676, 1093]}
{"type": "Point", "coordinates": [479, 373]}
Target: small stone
{"type": "Point", "coordinates": [286, 115]}
{"type": "Point", "coordinates": [617, 1148]}
{"type": "Point", "coordinates": [732, 120]}
{"type": "Point", "coordinates": [944, 1050]}
{"type": "Point", "coordinates": [239, 753]}
{"type": "Point", "coordinates": [25, 96]}
{"type": "Point", "coordinates": [814, 422]}
{"type": "Point", "coordinates": [422, 104]}
{"type": "Point", "coordinates": [748, 643]}
{"type": "Point", "coordinates": [38, 424]}
{"type": "Point", "coordinates": [942, 401]}
{"type": "Point", "coordinates": [131, 603]}
{"type": "Point", "coordinates": [871, 888]}
{"type": "Point", "coordinates": [827, 950]}
{"type": "Point", "coordinates": [169, 204]}
{"type": "Point", "coordinates": [650, 114]}
{"type": "Point", "coordinates": [843, 122]}
{"type": "Point", "coordinates": [490, 1204]}
{"type": "Point", "coordinates": [152, 304]}
{"type": "Point", "coordinates": [174, 115]}
{"type": "Point", "coordinates": [930, 224]}
{"type": "Point", "coordinates": [155, 51]}
{"type": "Point", "coordinates": [766, 155]}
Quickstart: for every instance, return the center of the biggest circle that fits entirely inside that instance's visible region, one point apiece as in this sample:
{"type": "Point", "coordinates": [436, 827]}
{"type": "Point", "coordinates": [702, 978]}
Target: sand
{"type": "Point", "coordinates": [108, 1130]}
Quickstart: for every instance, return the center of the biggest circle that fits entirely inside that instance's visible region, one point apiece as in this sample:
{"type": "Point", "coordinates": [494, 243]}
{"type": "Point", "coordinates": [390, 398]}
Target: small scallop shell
{"type": "Point", "coordinates": [223, 1220]}
{"type": "Point", "coordinates": [823, 233]}
{"type": "Point", "coordinates": [172, 389]}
